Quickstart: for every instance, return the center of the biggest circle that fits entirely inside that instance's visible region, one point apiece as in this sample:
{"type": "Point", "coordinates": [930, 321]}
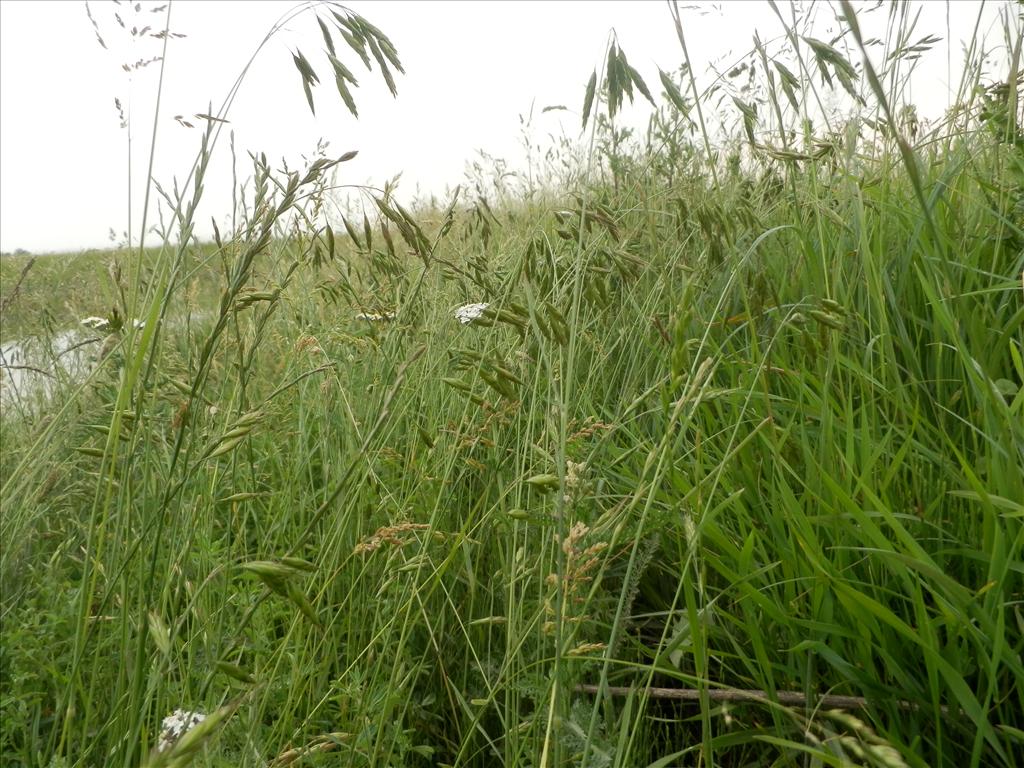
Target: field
{"type": "Point", "coordinates": [708, 452]}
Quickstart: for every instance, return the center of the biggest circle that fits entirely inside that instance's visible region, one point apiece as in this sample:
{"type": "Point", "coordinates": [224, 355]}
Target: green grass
{"type": "Point", "coordinates": [757, 430]}
{"type": "Point", "coordinates": [90, 283]}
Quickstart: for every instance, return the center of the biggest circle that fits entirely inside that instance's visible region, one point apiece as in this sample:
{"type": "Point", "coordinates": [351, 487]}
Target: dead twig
{"type": "Point", "coordinates": [32, 368]}
{"type": "Point", "coordinates": [788, 698]}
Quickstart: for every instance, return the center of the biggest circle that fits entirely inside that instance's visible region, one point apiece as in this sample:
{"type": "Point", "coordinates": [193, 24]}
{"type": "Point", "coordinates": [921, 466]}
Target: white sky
{"type": "Point", "coordinates": [472, 69]}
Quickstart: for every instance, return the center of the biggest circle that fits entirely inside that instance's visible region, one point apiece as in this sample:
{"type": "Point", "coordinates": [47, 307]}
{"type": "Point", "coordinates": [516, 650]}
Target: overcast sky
{"type": "Point", "coordinates": [473, 68]}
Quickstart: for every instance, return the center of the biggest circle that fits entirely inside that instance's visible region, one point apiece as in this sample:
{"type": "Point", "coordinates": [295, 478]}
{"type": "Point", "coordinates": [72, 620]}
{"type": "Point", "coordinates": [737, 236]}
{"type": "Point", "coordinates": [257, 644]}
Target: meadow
{"type": "Point", "coordinates": [707, 451]}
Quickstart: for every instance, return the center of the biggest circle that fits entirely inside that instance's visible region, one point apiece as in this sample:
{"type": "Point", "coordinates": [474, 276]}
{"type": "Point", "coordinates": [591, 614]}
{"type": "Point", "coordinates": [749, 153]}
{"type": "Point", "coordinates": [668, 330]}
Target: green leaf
{"type": "Point", "coordinates": [381, 60]}
{"type": "Point", "coordinates": [309, 77]}
{"type": "Point", "coordinates": [340, 75]}
{"type": "Point", "coordinates": [640, 85]}
{"type": "Point", "coordinates": [235, 672]}
{"type": "Point", "coordinates": [330, 241]}
{"type": "Point", "coordinates": [299, 599]}
{"type": "Point", "coordinates": [612, 82]}
{"type": "Point", "coordinates": [789, 83]}
{"type": "Point", "coordinates": [588, 99]}
{"type": "Point", "coordinates": [672, 93]}
{"type": "Point", "coordinates": [340, 70]}
{"type": "Point", "coordinates": [367, 232]}
{"type": "Point", "coordinates": [372, 33]}
{"type": "Point", "coordinates": [625, 79]}
{"type": "Point", "coordinates": [843, 69]}
{"type": "Point", "coordinates": [352, 233]}
{"type": "Point", "coordinates": [353, 37]}
{"type": "Point", "coordinates": [328, 40]}
{"type": "Point", "coordinates": [389, 52]}
{"type": "Point", "coordinates": [749, 117]}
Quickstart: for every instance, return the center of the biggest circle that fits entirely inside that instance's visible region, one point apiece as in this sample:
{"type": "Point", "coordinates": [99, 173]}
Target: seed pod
{"type": "Point", "coordinates": [298, 597]}
{"type": "Point", "coordinates": [498, 385]}
{"type": "Point", "coordinates": [827, 318]}
{"type": "Point", "coordinates": [226, 446]}
{"type": "Point", "coordinates": [458, 384]}
{"type": "Point", "coordinates": [545, 482]}
{"type": "Point", "coordinates": [235, 672]}
{"type": "Point", "coordinates": [159, 632]}
{"type": "Point", "coordinates": [559, 328]}
{"type": "Point", "coordinates": [268, 569]}
{"type": "Point", "coordinates": [242, 496]}
{"type": "Point", "coordinates": [425, 436]}
{"type": "Point", "coordinates": [298, 563]}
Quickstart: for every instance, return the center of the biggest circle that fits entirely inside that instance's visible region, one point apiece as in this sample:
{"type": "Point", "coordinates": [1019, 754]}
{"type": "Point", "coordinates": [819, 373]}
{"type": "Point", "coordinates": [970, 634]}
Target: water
{"type": "Point", "coordinates": [30, 369]}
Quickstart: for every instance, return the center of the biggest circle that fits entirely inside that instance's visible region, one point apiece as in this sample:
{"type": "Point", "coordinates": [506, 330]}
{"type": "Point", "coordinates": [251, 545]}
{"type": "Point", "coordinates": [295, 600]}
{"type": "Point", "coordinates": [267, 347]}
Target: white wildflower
{"type": "Point", "coordinates": [176, 725]}
{"type": "Point", "coordinates": [139, 323]}
{"type": "Point", "coordinates": [467, 313]}
{"type": "Point", "coordinates": [376, 318]}
{"type": "Point", "coordinates": [96, 323]}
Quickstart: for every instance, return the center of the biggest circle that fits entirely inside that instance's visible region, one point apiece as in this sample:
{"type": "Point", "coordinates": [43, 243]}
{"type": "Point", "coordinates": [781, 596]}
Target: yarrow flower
{"type": "Point", "coordinates": [376, 318]}
{"type": "Point", "coordinates": [96, 323]}
{"type": "Point", "coordinates": [102, 324]}
{"type": "Point", "coordinates": [467, 313]}
{"type": "Point", "coordinates": [176, 725]}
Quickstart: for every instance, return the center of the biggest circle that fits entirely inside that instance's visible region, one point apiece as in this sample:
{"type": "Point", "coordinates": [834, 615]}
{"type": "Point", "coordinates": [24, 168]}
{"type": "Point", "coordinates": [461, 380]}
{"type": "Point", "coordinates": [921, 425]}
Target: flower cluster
{"type": "Point", "coordinates": [467, 313]}
{"type": "Point", "coordinates": [103, 324]}
{"type": "Point", "coordinates": [376, 318]}
{"type": "Point", "coordinates": [176, 725]}
{"type": "Point", "coordinates": [96, 323]}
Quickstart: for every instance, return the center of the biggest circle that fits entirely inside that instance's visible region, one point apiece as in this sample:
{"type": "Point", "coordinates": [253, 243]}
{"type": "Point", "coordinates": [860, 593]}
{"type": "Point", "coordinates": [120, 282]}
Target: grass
{"type": "Point", "coordinates": [91, 282]}
{"type": "Point", "coordinates": [720, 444]}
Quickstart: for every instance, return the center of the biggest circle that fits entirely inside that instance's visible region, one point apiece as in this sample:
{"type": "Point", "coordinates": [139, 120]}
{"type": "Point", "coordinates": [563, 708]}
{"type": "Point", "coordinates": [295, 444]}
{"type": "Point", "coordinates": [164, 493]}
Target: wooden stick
{"type": "Point", "coordinates": [791, 698]}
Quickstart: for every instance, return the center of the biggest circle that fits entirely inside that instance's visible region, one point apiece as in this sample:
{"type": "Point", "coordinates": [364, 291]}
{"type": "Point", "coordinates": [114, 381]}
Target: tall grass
{"type": "Point", "coordinates": [728, 471]}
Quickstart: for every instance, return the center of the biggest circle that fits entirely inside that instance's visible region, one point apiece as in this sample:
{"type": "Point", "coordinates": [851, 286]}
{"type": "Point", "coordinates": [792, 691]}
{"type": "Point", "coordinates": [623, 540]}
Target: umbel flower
{"type": "Point", "coordinates": [103, 324]}
{"type": "Point", "coordinates": [96, 323]}
{"type": "Point", "coordinates": [467, 313]}
{"type": "Point", "coordinates": [176, 725]}
{"type": "Point", "coordinates": [375, 317]}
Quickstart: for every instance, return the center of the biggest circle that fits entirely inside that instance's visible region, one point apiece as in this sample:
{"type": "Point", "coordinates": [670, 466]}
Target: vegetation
{"type": "Point", "coordinates": [733, 428]}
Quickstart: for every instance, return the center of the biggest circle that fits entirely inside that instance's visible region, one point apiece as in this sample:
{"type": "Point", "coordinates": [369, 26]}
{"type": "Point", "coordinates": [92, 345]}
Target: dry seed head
{"type": "Point", "coordinates": [588, 430]}
{"type": "Point", "coordinates": [577, 532]}
{"type": "Point", "coordinates": [391, 534]}
{"type": "Point", "coordinates": [575, 480]}
{"type": "Point", "coordinates": [310, 343]}
{"type": "Point", "coordinates": [583, 648]}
